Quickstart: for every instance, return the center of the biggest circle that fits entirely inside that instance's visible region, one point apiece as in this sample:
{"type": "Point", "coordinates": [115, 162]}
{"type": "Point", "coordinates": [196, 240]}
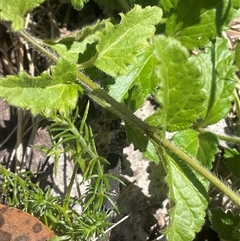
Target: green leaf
{"type": "Point", "coordinates": [71, 46]}
{"type": "Point", "coordinates": [142, 143]}
{"type": "Point", "coordinates": [180, 86]}
{"type": "Point", "coordinates": [78, 4]}
{"type": "Point", "coordinates": [216, 65]}
{"type": "Point", "coordinates": [141, 76]}
{"type": "Point", "coordinates": [203, 146]}
{"type": "Point", "coordinates": [226, 224]}
{"type": "Point", "coordinates": [188, 189]}
{"type": "Point", "coordinates": [44, 94]}
{"type": "Point", "coordinates": [118, 45]}
{"type": "Point", "coordinates": [232, 158]}
{"type": "Point", "coordinates": [168, 5]}
{"type": "Point", "coordinates": [151, 153]}
{"type": "Point", "coordinates": [190, 198]}
{"type": "Point", "coordinates": [195, 22]}
{"type": "Point", "coordinates": [14, 11]}
{"type": "Point", "coordinates": [236, 4]}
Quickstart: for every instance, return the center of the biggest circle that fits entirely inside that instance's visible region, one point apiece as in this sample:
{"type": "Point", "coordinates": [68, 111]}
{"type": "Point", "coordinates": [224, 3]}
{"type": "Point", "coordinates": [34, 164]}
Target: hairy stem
{"type": "Point", "coordinates": [195, 164]}
{"type": "Point", "coordinates": [124, 113]}
{"type": "Point", "coordinates": [105, 100]}
{"type": "Point", "coordinates": [39, 46]}
{"type": "Point", "coordinates": [102, 98]}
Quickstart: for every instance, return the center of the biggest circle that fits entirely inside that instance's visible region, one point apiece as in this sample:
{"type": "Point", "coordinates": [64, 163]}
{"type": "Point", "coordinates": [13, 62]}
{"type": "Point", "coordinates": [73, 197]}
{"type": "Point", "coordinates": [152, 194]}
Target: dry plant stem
{"type": "Point", "coordinates": [29, 149]}
{"type": "Point", "coordinates": [9, 136]}
{"type": "Point", "coordinates": [19, 144]}
{"type": "Point", "coordinates": [34, 126]}
{"type": "Point", "coordinates": [113, 226]}
{"type": "Point", "coordinates": [102, 98]}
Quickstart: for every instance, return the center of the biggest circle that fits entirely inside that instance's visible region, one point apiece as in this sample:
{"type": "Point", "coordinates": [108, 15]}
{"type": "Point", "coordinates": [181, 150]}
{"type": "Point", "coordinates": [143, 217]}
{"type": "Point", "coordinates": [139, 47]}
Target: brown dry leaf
{"type": "Point", "coordinates": [233, 34]}
{"type": "Point", "coordinates": [17, 225]}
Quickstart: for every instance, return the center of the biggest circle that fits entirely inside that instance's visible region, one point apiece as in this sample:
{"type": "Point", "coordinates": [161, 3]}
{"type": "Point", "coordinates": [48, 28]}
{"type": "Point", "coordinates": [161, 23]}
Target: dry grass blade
{"type": "Point", "coordinates": [233, 34]}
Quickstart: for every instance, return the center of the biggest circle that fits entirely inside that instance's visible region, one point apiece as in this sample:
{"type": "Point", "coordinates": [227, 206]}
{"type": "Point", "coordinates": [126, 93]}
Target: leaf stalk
{"type": "Point", "coordinates": [231, 139]}
{"type": "Point", "coordinates": [39, 46]}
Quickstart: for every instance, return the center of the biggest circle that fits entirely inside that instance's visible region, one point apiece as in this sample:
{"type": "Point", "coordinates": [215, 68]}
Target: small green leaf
{"type": "Point", "coordinates": [167, 5]}
{"type": "Point", "coordinates": [141, 76]}
{"type": "Point", "coordinates": [142, 143]}
{"type": "Point", "coordinates": [71, 46]}
{"type": "Point", "coordinates": [118, 45]}
{"type": "Point", "coordinates": [151, 153]}
{"type": "Point", "coordinates": [14, 11]}
{"type": "Point", "coordinates": [203, 146]}
{"type": "Point", "coordinates": [78, 4]}
{"type": "Point", "coordinates": [216, 65]}
{"type": "Point", "coordinates": [225, 224]}
{"type": "Point", "coordinates": [195, 22]}
{"type": "Point", "coordinates": [232, 158]}
{"type": "Point", "coordinates": [45, 94]}
{"type": "Point", "coordinates": [180, 86]}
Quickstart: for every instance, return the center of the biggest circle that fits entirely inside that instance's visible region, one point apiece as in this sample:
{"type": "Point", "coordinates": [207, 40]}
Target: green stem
{"type": "Point", "coordinates": [39, 46]}
{"type": "Point", "coordinates": [101, 97]}
{"type": "Point", "coordinates": [105, 100]}
{"type": "Point", "coordinates": [237, 101]}
{"type": "Point", "coordinates": [195, 164]}
{"type": "Point", "coordinates": [232, 139]}
{"type": "Point", "coordinates": [126, 6]}
{"type": "Point", "coordinates": [95, 92]}
{"type": "Point", "coordinates": [87, 63]}
{"type": "Point", "coordinates": [213, 84]}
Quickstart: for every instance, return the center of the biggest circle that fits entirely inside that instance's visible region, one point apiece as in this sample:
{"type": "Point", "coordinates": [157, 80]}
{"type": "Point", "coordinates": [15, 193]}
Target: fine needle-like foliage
{"type": "Point", "coordinates": [173, 52]}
